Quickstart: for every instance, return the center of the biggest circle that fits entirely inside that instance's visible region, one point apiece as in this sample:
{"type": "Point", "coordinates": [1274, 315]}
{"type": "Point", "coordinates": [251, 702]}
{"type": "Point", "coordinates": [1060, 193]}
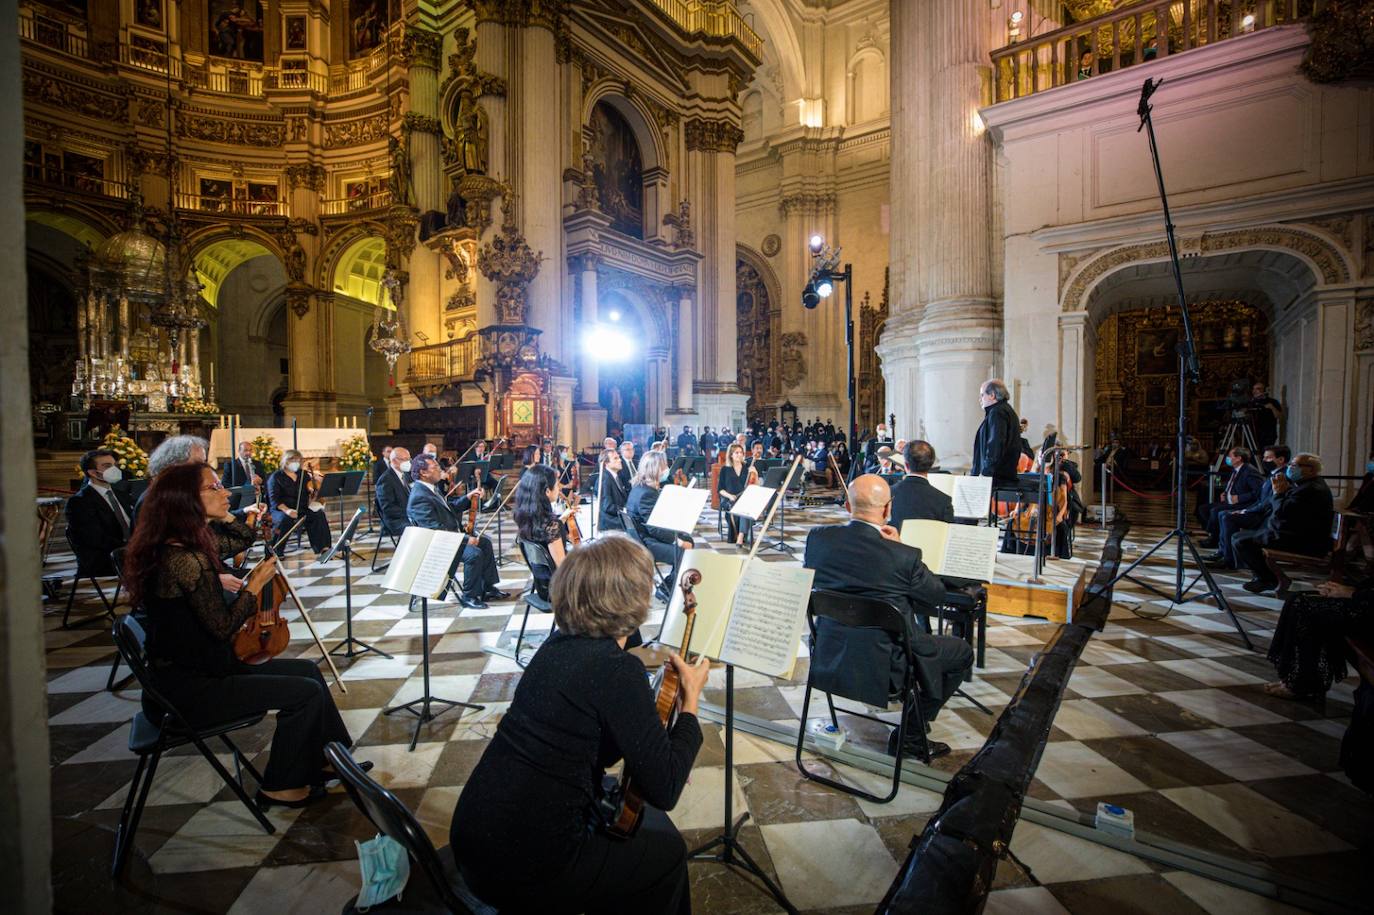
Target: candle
{"type": "Point", "coordinates": [212, 374]}
{"type": "Point", "coordinates": [238, 420]}
{"type": "Point", "coordinates": [355, 422]}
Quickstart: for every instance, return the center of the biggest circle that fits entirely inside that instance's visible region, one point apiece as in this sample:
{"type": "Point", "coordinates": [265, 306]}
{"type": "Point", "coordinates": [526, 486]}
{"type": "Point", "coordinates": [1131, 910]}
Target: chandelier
{"type": "Point", "coordinates": [388, 334]}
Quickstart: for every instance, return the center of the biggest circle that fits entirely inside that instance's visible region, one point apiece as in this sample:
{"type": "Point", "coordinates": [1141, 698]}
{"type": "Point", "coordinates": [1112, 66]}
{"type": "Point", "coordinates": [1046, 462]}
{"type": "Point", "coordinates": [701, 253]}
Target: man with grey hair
{"type": "Point", "coordinates": [173, 450]}
{"type": "Point", "coordinates": [997, 446]}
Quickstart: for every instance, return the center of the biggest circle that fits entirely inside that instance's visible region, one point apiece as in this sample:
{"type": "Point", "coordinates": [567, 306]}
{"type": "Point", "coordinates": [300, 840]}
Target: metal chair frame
{"type": "Point", "coordinates": [541, 566]}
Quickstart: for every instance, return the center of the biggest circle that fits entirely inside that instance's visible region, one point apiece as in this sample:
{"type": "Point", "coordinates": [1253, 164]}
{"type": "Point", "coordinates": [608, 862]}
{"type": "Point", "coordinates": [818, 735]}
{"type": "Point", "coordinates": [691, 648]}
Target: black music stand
{"type": "Point", "coordinates": [352, 485]}
{"type": "Point", "coordinates": [238, 493]}
{"type": "Point", "coordinates": [774, 480]}
{"type": "Point", "coordinates": [420, 707]}
{"type": "Point", "coordinates": [500, 539]}
{"type": "Point", "coordinates": [732, 853]}
{"type": "Point", "coordinates": [696, 466]}
{"type": "Point", "coordinates": [331, 487]}
{"type": "Point", "coordinates": [344, 547]}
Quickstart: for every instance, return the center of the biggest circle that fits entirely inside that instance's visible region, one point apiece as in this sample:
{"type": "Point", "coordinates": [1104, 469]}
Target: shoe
{"type": "Point", "coordinates": [1208, 544]}
{"type": "Point", "coordinates": [919, 747]}
{"type": "Point", "coordinates": [472, 603]}
{"type": "Point", "coordinates": [332, 778]}
{"type": "Point", "coordinates": [266, 803]}
{"type": "Point", "coordinates": [1213, 557]}
{"type": "Point", "coordinates": [494, 594]}
{"type": "Point", "coordinates": [1259, 585]}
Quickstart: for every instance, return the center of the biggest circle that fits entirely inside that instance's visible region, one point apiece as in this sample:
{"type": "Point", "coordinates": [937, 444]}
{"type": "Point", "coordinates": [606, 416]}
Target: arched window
{"type": "Point", "coordinates": [868, 87]}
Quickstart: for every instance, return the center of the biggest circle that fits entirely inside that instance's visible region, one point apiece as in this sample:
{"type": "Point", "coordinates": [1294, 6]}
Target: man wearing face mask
{"type": "Point", "coordinates": [393, 492]}
{"type": "Point", "coordinates": [1300, 522]}
{"type": "Point", "coordinates": [1241, 491]}
{"type": "Point", "coordinates": [427, 507]}
{"type": "Point", "coordinates": [1230, 523]}
{"type": "Point", "coordinates": [99, 515]}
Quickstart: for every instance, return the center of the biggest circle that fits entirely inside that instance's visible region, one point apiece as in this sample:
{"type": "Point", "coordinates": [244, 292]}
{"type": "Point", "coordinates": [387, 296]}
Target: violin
{"type": "Point", "coordinates": [264, 635]}
{"type": "Point", "coordinates": [668, 703]}
{"type": "Point", "coordinates": [679, 477]}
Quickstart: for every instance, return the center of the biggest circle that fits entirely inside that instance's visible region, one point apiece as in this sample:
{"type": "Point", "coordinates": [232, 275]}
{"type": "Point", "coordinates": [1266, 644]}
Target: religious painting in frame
{"type": "Point", "coordinates": [148, 13]}
{"type": "Point", "coordinates": [215, 194]}
{"type": "Point", "coordinates": [85, 173]}
{"type": "Point", "coordinates": [617, 170]}
{"type": "Point", "coordinates": [262, 198]}
{"type": "Point", "coordinates": [236, 29]}
{"type": "Point", "coordinates": [1156, 351]}
{"type": "Point", "coordinates": [295, 33]}
{"type": "Point", "coordinates": [367, 22]}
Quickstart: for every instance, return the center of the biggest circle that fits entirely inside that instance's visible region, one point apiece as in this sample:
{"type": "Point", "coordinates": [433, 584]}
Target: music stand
{"type": "Point", "coordinates": [344, 547]}
{"type": "Point", "coordinates": [679, 463]}
{"type": "Point", "coordinates": [774, 480]}
{"type": "Point", "coordinates": [696, 466]}
{"type": "Point", "coordinates": [331, 487]}
{"type": "Point", "coordinates": [352, 485]}
{"type": "Point", "coordinates": [238, 494]}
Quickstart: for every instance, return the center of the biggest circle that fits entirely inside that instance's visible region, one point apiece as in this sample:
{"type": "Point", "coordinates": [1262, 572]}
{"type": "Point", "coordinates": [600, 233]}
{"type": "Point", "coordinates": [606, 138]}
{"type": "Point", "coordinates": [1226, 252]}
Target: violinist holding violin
{"type": "Point", "coordinates": [194, 609]}
{"type": "Point", "coordinates": [290, 491]}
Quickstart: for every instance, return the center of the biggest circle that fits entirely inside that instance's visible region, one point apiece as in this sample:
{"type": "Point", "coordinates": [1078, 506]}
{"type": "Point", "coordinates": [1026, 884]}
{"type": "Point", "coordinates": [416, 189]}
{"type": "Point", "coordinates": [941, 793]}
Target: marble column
{"type": "Point", "coordinates": [426, 159]}
{"type": "Point", "coordinates": [941, 246]}
{"type": "Point", "coordinates": [541, 182]}
{"type": "Point", "coordinates": [589, 422]}
{"type": "Point", "coordinates": [686, 354]}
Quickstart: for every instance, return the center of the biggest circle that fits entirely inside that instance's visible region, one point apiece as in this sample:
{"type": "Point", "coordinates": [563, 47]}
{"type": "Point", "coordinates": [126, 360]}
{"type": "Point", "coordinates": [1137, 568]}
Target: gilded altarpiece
{"type": "Point", "coordinates": [755, 339]}
{"type": "Point", "coordinates": [1136, 370]}
{"type": "Point", "coordinates": [870, 386]}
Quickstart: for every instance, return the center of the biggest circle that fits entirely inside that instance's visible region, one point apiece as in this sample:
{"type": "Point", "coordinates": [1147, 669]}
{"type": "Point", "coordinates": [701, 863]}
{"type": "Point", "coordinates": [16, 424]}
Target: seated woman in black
{"type": "Point", "coordinates": [733, 480]}
{"type": "Point", "coordinates": [534, 514]}
{"type": "Point", "coordinates": [610, 494]}
{"type": "Point", "coordinates": [193, 610]}
{"type": "Point", "coordinates": [665, 545]}
{"type": "Point", "coordinates": [288, 495]}
{"type": "Point", "coordinates": [526, 833]}
{"type": "Point", "coordinates": [531, 456]}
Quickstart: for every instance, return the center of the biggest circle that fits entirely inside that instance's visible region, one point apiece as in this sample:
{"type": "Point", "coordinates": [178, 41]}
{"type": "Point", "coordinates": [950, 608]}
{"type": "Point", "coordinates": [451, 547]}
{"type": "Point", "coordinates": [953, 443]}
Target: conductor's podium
{"type": "Point", "coordinates": [1054, 597]}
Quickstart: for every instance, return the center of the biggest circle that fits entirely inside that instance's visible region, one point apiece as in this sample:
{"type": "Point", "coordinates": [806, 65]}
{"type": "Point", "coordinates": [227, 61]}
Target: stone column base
{"type": "Point", "coordinates": [589, 425]}
{"type": "Point", "coordinates": [721, 411]}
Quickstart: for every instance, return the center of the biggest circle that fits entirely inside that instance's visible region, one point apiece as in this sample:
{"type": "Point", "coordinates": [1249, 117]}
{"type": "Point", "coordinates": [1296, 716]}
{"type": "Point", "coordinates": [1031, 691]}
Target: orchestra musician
{"type": "Point", "coordinates": [627, 461]}
{"type": "Point", "coordinates": [527, 832]}
{"type": "Point", "coordinates": [914, 497]}
{"type": "Point", "coordinates": [427, 507]}
{"type": "Point", "coordinates": [535, 517]}
{"type": "Point", "coordinates": [610, 492]}
{"type": "Point", "coordinates": [532, 455]}
{"type": "Point", "coordinates": [243, 470]}
{"type": "Point", "coordinates": [194, 607]}
{"type": "Point", "coordinates": [734, 479]}
{"type": "Point", "coordinates": [666, 545]}
{"type": "Point", "coordinates": [290, 491]}
{"type": "Point", "coordinates": [393, 492]}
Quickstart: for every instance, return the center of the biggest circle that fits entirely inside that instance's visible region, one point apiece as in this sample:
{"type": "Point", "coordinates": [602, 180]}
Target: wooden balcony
{"type": "Point", "coordinates": [440, 364]}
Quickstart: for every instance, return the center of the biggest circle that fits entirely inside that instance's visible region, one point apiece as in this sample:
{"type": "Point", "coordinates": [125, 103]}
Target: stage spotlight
{"type": "Point", "coordinates": [810, 298]}
{"type": "Point", "coordinates": [817, 244]}
{"type": "Point", "coordinates": [607, 344]}
{"type": "Point", "coordinates": [824, 288]}
{"type": "Point", "coordinates": [614, 315]}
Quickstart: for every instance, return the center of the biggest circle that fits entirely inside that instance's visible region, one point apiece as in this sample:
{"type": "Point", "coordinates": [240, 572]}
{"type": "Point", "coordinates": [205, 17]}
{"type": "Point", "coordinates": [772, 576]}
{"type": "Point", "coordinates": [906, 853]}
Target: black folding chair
{"type": "Point", "coordinates": [635, 528]}
{"type": "Point", "coordinates": [117, 557]}
{"type": "Point", "coordinates": [970, 613]}
{"type": "Point", "coordinates": [382, 531]}
{"type": "Point", "coordinates": [83, 572]}
{"type": "Point", "coordinates": [443, 888]}
{"type": "Point", "coordinates": [541, 568]}
{"type": "Point", "coordinates": [855, 612]}
{"type": "Point", "coordinates": [150, 739]}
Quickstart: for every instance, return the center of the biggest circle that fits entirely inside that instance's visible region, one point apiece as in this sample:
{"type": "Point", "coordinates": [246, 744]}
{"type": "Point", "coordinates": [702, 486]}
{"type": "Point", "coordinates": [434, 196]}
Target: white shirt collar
{"type": "Point", "coordinates": [99, 486]}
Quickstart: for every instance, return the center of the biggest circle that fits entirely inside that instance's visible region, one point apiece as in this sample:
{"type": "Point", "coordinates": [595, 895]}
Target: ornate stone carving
{"type": "Point", "coordinates": [423, 123]}
{"type": "Point", "coordinates": [1067, 262]}
{"type": "Point", "coordinates": [48, 90]}
{"type": "Point", "coordinates": [233, 132]}
{"type": "Point", "coordinates": [298, 298]}
{"type": "Point", "coordinates": [478, 191]}
{"type": "Point", "coordinates": [298, 128]}
{"type": "Point", "coordinates": [421, 48]}
{"type": "Point", "coordinates": [1340, 48]}
{"type": "Point", "coordinates": [581, 263]}
{"type": "Point", "coordinates": [712, 136]}
{"type": "Point", "coordinates": [1342, 226]}
{"type": "Point", "coordinates": [543, 13]}
{"type": "Point", "coordinates": [151, 112]}
{"type": "Point", "coordinates": [460, 300]}
{"type": "Point", "coordinates": [793, 368]}
{"type": "Point", "coordinates": [588, 198]}
{"type": "Point", "coordinates": [1364, 324]}
{"type": "Point", "coordinates": [400, 235]}
{"type": "Point", "coordinates": [684, 237]}
{"type": "Point", "coordinates": [509, 262]}
{"type": "Point", "coordinates": [462, 65]}
{"type": "Point", "coordinates": [306, 175]}
{"type": "Point", "coordinates": [772, 244]}
{"type": "Point", "coordinates": [807, 203]}
{"type": "Point", "coordinates": [355, 133]}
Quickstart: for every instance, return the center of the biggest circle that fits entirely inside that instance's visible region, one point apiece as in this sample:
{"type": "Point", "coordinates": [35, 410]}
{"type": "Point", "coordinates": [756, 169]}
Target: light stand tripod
{"type": "Point", "coordinates": [1188, 371]}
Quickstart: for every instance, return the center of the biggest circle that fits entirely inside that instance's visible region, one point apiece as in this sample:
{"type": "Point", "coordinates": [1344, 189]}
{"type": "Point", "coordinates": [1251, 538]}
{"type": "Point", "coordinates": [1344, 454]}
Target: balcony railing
{"type": "Point", "coordinates": [53, 34]}
{"type": "Point", "coordinates": [361, 74]}
{"type": "Point", "coordinates": [35, 173]}
{"type": "Point", "coordinates": [440, 363]}
{"type": "Point", "coordinates": [231, 81]}
{"type": "Point", "coordinates": [1134, 34]}
{"type": "Point", "coordinates": [148, 59]}
{"type": "Point", "coordinates": [714, 19]}
{"type": "Point", "coordinates": [337, 206]}
{"type": "Point", "coordinates": [234, 205]}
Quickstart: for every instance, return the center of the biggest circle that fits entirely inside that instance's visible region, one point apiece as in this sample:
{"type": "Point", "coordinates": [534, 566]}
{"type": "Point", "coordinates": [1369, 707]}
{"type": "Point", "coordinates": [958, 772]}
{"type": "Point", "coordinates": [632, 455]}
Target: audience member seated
{"type": "Point", "coordinates": [290, 495]}
{"type": "Point", "coordinates": [529, 832]}
{"type": "Point", "coordinates": [914, 498]}
{"type": "Point", "coordinates": [665, 545]}
{"type": "Point", "coordinates": [244, 469]}
{"type": "Point", "coordinates": [194, 608]}
{"type": "Point", "coordinates": [99, 516]}
{"type": "Point", "coordinates": [1300, 522]}
{"type": "Point", "coordinates": [1231, 521]}
{"type": "Point", "coordinates": [1242, 491]}
{"type": "Point", "coordinates": [865, 557]}
{"type": "Point", "coordinates": [427, 507]}
{"type": "Point", "coordinates": [393, 491]}
{"type": "Point", "coordinates": [1309, 649]}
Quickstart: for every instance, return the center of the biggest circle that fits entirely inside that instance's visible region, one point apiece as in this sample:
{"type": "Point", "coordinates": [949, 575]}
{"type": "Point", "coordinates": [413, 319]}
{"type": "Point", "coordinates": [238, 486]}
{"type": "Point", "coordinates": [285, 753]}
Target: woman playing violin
{"type": "Point", "coordinates": [527, 831]}
{"type": "Point", "coordinates": [193, 609]}
{"type": "Point", "coordinates": [734, 479]}
{"type": "Point", "coordinates": [290, 491]}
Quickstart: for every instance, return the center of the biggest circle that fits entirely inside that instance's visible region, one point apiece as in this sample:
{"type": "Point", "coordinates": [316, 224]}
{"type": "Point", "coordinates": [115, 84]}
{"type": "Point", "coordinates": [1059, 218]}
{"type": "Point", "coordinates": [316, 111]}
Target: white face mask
{"type": "Point", "coordinates": [294, 467]}
{"type": "Point", "coordinates": [405, 467]}
{"type": "Point", "coordinates": [112, 474]}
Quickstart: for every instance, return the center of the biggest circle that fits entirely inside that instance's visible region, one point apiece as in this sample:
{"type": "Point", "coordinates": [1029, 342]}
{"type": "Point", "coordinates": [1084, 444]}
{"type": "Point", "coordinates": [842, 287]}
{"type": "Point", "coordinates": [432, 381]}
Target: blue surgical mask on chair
{"type": "Point", "coordinates": [385, 869]}
{"type": "Point", "coordinates": [1369, 466]}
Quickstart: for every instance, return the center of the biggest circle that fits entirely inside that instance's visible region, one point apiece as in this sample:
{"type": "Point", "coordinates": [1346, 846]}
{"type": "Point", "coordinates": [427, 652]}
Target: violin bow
{"type": "Point", "coordinates": [310, 624]}
{"type": "Point", "coordinates": [496, 513]}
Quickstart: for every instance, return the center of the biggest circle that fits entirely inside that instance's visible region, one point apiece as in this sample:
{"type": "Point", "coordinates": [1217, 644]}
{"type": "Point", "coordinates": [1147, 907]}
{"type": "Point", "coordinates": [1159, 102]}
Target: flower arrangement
{"type": "Point", "coordinates": [267, 452]}
{"type": "Point", "coordinates": [133, 460]}
{"type": "Point", "coordinates": [197, 406]}
{"type": "Point", "coordinates": [354, 453]}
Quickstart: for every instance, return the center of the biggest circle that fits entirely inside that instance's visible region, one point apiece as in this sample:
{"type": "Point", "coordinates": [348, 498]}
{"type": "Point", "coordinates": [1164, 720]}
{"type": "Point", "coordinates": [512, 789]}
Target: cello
{"type": "Point", "coordinates": [627, 807]}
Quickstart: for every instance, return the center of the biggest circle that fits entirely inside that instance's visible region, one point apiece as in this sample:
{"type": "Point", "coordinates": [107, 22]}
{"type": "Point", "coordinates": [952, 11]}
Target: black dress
{"type": "Point", "coordinates": [734, 484]}
{"type": "Point", "coordinates": [1308, 648]}
{"type": "Point", "coordinates": [282, 490]}
{"type": "Point", "coordinates": [191, 625]}
{"type": "Point", "coordinates": [525, 832]}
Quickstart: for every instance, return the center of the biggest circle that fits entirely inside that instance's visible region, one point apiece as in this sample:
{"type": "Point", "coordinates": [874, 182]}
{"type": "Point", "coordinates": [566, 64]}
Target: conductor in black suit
{"type": "Point", "coordinates": [997, 446]}
{"type": "Point", "coordinates": [393, 492]}
{"type": "Point", "coordinates": [243, 469]}
{"type": "Point", "coordinates": [914, 497]}
{"type": "Point", "coordinates": [98, 516]}
{"type": "Point", "coordinates": [866, 558]}
{"type": "Point", "coordinates": [427, 507]}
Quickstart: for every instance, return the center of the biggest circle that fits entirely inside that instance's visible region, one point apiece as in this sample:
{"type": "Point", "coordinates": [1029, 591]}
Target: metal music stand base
{"type": "Point", "coordinates": [779, 543]}
{"type": "Point", "coordinates": [732, 853]}
{"type": "Point", "coordinates": [420, 707]}
{"type": "Point", "coordinates": [349, 641]}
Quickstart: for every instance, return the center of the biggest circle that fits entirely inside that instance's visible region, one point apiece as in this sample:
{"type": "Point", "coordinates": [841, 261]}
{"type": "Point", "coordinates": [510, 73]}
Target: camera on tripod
{"type": "Point", "coordinates": [1240, 406]}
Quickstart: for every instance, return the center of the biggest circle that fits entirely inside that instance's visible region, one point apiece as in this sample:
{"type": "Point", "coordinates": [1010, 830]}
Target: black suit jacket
{"type": "Point", "coordinates": [915, 498]}
{"type": "Point", "coordinates": [640, 504]}
{"type": "Point", "coordinates": [865, 664]}
{"type": "Point", "coordinates": [392, 499]}
{"type": "Point", "coordinates": [611, 496]}
{"type": "Point", "coordinates": [379, 467]}
{"type": "Point", "coordinates": [94, 530]}
{"type": "Point", "coordinates": [997, 445]}
{"type": "Point", "coordinates": [1300, 521]}
{"type": "Point", "coordinates": [233, 474]}
{"type": "Point", "coordinates": [427, 508]}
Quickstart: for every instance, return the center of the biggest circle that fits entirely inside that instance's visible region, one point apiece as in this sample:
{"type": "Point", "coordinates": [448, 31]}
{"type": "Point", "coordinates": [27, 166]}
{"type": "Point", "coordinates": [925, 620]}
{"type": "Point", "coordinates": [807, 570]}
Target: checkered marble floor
{"type": "Point", "coordinates": [1165, 716]}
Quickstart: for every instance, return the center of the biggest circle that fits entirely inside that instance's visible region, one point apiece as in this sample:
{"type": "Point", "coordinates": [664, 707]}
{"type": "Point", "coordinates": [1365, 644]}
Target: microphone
{"type": "Point", "coordinates": [1147, 90]}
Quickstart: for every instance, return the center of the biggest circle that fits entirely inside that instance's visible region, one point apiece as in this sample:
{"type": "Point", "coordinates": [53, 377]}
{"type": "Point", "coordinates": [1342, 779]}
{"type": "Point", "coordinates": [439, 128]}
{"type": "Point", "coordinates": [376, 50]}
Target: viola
{"type": "Point", "coordinates": [679, 477]}
{"type": "Point", "coordinates": [264, 635]}
{"type": "Point", "coordinates": [668, 703]}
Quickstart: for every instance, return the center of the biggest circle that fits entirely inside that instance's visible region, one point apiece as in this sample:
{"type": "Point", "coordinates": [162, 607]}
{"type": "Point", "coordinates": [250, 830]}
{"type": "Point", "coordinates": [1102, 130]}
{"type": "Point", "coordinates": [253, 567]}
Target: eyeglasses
{"type": "Point", "coordinates": [212, 487]}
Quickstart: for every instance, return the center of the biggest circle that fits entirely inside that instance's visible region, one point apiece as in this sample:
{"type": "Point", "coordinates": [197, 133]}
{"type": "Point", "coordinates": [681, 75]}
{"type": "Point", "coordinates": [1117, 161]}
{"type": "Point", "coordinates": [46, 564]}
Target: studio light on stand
{"type": "Point", "coordinates": [821, 285]}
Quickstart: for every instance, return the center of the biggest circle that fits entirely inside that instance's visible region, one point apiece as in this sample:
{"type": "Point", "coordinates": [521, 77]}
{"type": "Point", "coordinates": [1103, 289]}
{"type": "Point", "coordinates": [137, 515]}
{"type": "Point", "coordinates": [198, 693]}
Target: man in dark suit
{"type": "Point", "coordinates": [997, 445]}
{"type": "Point", "coordinates": [866, 557]}
{"type": "Point", "coordinates": [627, 464]}
{"type": "Point", "coordinates": [427, 507]}
{"type": "Point", "coordinates": [381, 466]}
{"type": "Point", "coordinates": [686, 441]}
{"type": "Point", "coordinates": [393, 492]}
{"type": "Point", "coordinates": [1299, 522]}
{"type": "Point", "coordinates": [708, 443]}
{"type": "Point", "coordinates": [243, 469]}
{"type": "Point", "coordinates": [1232, 522]}
{"type": "Point", "coordinates": [914, 497]}
{"type": "Point", "coordinates": [99, 516]}
{"type": "Point", "coordinates": [1242, 490]}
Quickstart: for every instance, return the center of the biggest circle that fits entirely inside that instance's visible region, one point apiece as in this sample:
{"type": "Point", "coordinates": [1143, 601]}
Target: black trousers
{"type": "Point", "coordinates": [953, 660]}
{"type": "Point", "coordinates": [1248, 549]}
{"type": "Point", "coordinates": [667, 553]}
{"type": "Point", "coordinates": [479, 568]}
{"type": "Point", "coordinates": [734, 524]}
{"type": "Point", "coordinates": [316, 526]}
{"type": "Point", "coordinates": [307, 718]}
{"type": "Point", "coordinates": [646, 873]}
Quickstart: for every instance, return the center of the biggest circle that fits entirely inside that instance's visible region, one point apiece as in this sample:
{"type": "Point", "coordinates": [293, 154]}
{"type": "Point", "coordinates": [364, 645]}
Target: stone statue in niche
{"type": "Point", "coordinates": [472, 138]}
{"type": "Point", "coordinates": [401, 185]}
{"type": "Point", "coordinates": [617, 169]}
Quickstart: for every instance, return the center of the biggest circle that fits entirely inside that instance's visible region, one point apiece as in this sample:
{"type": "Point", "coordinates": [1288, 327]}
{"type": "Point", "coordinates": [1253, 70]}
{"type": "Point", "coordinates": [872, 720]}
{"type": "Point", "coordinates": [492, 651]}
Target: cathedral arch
{"type": "Point", "coordinates": [631, 172]}
{"type": "Point", "coordinates": [866, 86]}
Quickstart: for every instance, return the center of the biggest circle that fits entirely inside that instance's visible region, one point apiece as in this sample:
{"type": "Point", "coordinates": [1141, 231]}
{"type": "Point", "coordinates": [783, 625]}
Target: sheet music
{"type": "Point", "coordinates": [678, 508]}
{"type": "Point", "coordinates": [432, 575]}
{"type": "Point", "coordinates": [753, 502]}
{"type": "Point", "coordinates": [719, 572]}
{"type": "Point", "coordinates": [928, 537]}
{"type": "Point", "coordinates": [972, 496]}
{"type": "Point", "coordinates": [767, 618]}
{"type": "Point", "coordinates": [970, 552]}
{"type": "Point", "coordinates": [406, 560]}
{"type": "Point", "coordinates": [943, 482]}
